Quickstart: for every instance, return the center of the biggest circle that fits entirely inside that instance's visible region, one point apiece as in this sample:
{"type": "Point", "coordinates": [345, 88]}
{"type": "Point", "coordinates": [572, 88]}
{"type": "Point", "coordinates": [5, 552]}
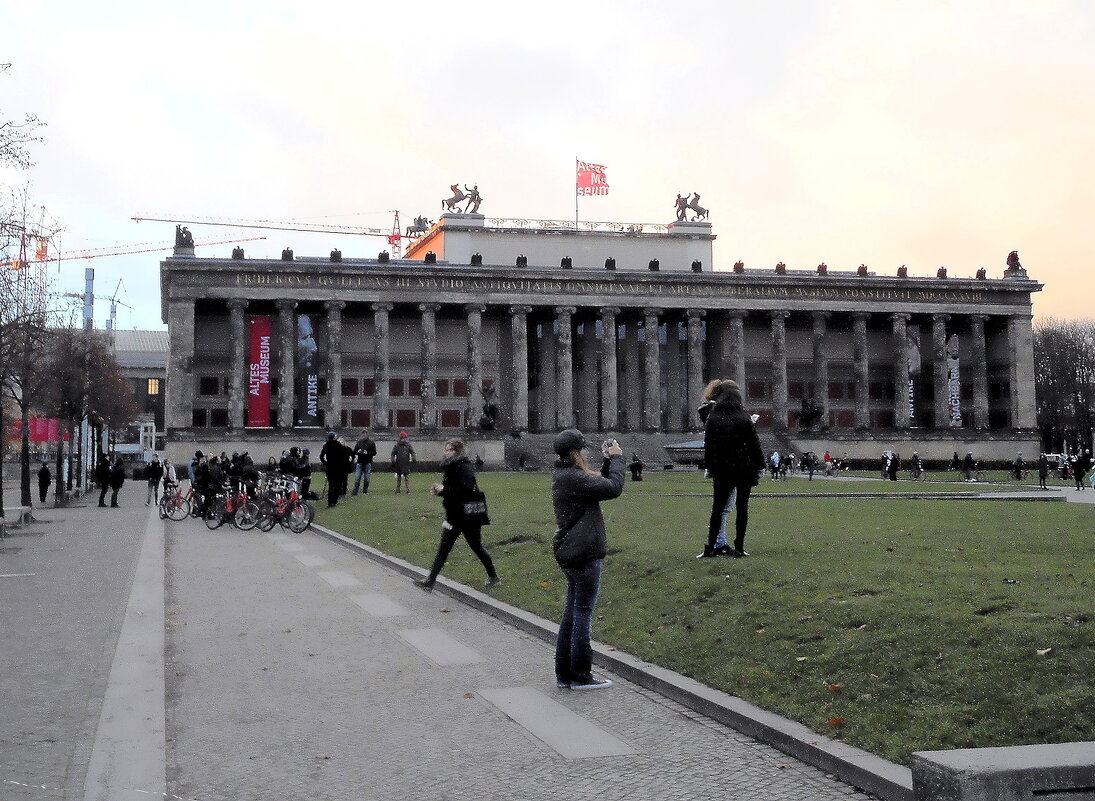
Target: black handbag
{"type": "Point", "coordinates": [475, 508]}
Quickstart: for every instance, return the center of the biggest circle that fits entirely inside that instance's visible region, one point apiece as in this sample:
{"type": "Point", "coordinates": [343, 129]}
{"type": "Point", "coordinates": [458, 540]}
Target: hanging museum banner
{"type": "Point", "coordinates": [307, 371]}
{"type": "Point", "coordinates": [954, 384]}
{"type": "Point", "coordinates": [258, 370]}
{"type": "Point", "coordinates": [912, 353]}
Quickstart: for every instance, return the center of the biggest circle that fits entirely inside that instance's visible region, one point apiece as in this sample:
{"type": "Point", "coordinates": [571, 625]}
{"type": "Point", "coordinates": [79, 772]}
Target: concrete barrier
{"type": "Point", "coordinates": [1057, 772]}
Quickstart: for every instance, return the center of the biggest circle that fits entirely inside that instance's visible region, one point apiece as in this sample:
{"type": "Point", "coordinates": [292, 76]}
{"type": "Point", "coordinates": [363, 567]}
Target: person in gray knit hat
{"type": "Point", "coordinates": [580, 546]}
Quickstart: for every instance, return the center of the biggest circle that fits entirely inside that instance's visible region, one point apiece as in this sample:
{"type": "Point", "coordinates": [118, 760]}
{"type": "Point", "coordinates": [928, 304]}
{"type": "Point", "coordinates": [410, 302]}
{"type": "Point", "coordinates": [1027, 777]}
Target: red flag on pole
{"type": "Point", "coordinates": [591, 179]}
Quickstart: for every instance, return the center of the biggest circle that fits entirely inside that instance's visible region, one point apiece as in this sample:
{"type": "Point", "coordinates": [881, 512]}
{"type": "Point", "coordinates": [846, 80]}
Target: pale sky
{"type": "Point", "coordinates": [862, 131]}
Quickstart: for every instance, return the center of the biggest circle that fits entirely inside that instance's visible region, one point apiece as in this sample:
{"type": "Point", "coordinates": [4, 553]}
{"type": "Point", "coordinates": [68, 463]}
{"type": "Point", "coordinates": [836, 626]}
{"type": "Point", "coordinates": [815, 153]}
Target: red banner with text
{"type": "Point", "coordinates": [258, 371]}
{"type": "Point", "coordinates": [591, 179]}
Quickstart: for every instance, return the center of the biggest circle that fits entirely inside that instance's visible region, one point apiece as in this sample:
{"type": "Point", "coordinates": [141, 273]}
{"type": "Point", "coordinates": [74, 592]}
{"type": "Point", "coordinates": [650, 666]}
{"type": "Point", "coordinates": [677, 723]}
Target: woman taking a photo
{"type": "Point", "coordinates": [580, 546]}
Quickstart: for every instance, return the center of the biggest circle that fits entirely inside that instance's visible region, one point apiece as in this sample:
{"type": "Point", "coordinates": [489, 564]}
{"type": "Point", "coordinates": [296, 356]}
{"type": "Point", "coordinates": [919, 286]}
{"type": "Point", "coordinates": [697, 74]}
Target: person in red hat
{"type": "Point", "coordinates": [402, 458]}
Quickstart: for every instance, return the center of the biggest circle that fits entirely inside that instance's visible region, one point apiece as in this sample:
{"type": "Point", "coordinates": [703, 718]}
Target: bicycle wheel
{"type": "Point", "coordinates": [267, 515]}
{"type": "Point", "coordinates": [247, 516]}
{"type": "Point", "coordinates": [297, 518]}
{"type": "Point", "coordinates": [215, 514]}
{"type": "Point", "coordinates": [178, 508]}
{"type": "Point", "coordinates": [162, 508]}
{"type": "Point", "coordinates": [195, 506]}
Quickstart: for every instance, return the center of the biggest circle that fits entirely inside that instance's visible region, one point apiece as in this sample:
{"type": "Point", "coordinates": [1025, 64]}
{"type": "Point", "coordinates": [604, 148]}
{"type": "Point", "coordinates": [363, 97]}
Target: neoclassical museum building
{"type": "Point", "coordinates": [505, 331]}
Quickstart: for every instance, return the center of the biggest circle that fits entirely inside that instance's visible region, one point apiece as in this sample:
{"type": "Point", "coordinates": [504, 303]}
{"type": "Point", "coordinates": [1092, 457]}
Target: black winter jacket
{"type": "Point", "coordinates": [457, 482]}
{"type": "Point", "coordinates": [575, 492]}
{"type": "Point", "coordinates": [731, 446]}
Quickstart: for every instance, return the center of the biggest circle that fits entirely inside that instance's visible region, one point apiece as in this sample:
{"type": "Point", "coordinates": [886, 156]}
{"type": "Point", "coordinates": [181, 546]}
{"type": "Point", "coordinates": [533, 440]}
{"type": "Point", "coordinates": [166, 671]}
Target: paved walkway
{"type": "Point", "coordinates": [163, 659]}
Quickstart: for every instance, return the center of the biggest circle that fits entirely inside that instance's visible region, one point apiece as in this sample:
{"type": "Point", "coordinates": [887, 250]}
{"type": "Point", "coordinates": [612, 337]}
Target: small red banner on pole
{"type": "Point", "coordinates": [591, 179]}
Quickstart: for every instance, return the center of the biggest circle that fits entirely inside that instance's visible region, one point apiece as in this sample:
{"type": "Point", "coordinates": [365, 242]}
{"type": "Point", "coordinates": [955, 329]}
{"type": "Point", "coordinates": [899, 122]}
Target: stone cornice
{"type": "Point", "coordinates": [402, 282]}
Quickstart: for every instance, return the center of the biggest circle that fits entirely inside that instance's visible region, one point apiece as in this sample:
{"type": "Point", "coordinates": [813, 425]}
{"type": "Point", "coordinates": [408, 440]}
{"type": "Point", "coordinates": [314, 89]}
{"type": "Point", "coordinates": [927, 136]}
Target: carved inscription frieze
{"type": "Point", "coordinates": [638, 289]}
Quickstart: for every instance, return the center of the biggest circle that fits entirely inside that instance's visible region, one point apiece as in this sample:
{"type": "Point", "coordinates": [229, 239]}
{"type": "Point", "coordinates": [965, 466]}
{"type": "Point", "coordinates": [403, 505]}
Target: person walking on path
{"type": "Point", "coordinates": [364, 453]}
{"type": "Point", "coordinates": [170, 478]}
{"type": "Point", "coordinates": [44, 477]}
{"type": "Point", "coordinates": [117, 478]}
{"type": "Point", "coordinates": [457, 484]}
{"type": "Point", "coordinates": [403, 456]}
{"type": "Point", "coordinates": [153, 473]}
{"type": "Point", "coordinates": [102, 477]}
{"type": "Point", "coordinates": [735, 461]}
{"type": "Point", "coordinates": [580, 545]}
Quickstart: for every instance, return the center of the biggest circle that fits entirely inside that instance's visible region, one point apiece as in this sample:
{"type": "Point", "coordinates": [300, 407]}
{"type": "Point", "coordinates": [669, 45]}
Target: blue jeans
{"type": "Point", "coordinates": [361, 470]}
{"type": "Point", "coordinates": [573, 652]}
{"type": "Point", "coordinates": [720, 540]}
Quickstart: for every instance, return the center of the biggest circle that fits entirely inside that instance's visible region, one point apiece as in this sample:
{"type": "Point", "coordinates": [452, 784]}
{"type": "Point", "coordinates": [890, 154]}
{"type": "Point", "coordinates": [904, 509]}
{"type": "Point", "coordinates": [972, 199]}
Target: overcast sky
{"type": "Point", "coordinates": [921, 133]}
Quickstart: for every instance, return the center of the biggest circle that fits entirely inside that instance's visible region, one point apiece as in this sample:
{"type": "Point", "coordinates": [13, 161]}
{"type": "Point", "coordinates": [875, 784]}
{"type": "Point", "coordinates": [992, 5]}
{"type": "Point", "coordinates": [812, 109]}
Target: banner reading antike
{"type": "Point", "coordinates": [258, 371]}
{"type": "Point", "coordinates": [307, 372]}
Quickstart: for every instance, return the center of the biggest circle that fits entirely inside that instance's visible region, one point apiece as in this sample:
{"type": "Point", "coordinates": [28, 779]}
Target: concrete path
{"type": "Point", "coordinates": [293, 668]}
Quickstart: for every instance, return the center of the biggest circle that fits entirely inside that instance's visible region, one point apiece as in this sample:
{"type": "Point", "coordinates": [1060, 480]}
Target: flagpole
{"type": "Point", "coordinates": [575, 193]}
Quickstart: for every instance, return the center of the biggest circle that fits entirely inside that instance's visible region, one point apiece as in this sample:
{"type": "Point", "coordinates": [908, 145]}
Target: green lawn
{"type": "Point", "coordinates": [896, 625]}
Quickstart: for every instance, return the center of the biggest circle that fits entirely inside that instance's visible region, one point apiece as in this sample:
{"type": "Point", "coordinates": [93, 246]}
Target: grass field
{"type": "Point", "coordinates": [894, 624]}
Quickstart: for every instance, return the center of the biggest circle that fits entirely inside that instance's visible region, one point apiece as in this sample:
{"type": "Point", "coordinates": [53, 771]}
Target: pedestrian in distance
{"type": "Point", "coordinates": [580, 546]}
{"type": "Point", "coordinates": [636, 467]}
{"type": "Point", "coordinates": [102, 477]}
{"type": "Point", "coordinates": [153, 474]}
{"type": "Point", "coordinates": [457, 485]}
{"type": "Point", "coordinates": [403, 456]}
{"type": "Point", "coordinates": [117, 479]}
{"type": "Point", "coordinates": [1079, 470]}
{"type": "Point", "coordinates": [170, 478]}
{"type": "Point", "coordinates": [735, 461]}
{"type": "Point", "coordinates": [44, 477]}
{"type": "Point", "coordinates": [335, 458]}
{"type": "Point", "coordinates": [364, 453]}
{"type": "Point", "coordinates": [1043, 471]}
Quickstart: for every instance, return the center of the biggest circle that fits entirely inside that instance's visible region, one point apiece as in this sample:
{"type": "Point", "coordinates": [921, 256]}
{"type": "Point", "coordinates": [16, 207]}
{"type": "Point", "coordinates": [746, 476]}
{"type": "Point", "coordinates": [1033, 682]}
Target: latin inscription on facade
{"type": "Point", "coordinates": [663, 289]}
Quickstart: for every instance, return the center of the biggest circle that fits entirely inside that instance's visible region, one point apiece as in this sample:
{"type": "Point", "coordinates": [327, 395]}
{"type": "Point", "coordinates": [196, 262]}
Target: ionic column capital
{"type": "Point", "coordinates": [612, 311]}
{"type": "Point", "coordinates": [474, 307]}
{"type": "Point", "coordinates": [561, 311]}
{"type": "Point", "coordinates": [429, 307]}
{"type": "Point", "coordinates": [902, 317]}
{"type": "Point", "coordinates": [695, 314]}
{"type": "Point", "coordinates": [650, 311]}
{"type": "Point", "coordinates": [979, 318]}
{"type": "Point", "coordinates": [736, 314]}
{"type": "Point", "coordinates": [334, 305]}
{"type": "Point", "coordinates": [779, 314]}
{"type": "Point", "coordinates": [820, 316]}
{"type": "Point", "coordinates": [522, 311]}
{"type": "Point", "coordinates": [286, 305]}
{"type": "Point", "coordinates": [382, 307]}
{"type": "Point", "coordinates": [861, 316]}
{"type": "Point", "coordinates": [237, 303]}
{"type": "Point", "coordinates": [940, 317]}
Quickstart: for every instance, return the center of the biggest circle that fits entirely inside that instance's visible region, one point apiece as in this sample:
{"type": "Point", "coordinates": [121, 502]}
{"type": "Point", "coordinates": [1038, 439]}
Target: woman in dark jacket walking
{"type": "Point", "coordinates": [457, 484]}
{"type": "Point", "coordinates": [580, 546]}
{"type": "Point", "coordinates": [733, 458]}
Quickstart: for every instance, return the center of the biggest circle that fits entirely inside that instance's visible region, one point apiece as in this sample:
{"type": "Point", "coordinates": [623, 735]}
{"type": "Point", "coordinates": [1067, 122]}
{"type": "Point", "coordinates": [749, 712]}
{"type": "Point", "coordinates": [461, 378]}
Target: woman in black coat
{"type": "Point", "coordinates": [457, 484]}
{"type": "Point", "coordinates": [733, 458]}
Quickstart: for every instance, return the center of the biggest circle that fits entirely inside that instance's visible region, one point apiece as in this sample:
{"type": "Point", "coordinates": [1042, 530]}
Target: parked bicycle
{"type": "Point", "coordinates": [174, 505]}
{"type": "Point", "coordinates": [233, 507]}
{"type": "Point", "coordinates": [280, 502]}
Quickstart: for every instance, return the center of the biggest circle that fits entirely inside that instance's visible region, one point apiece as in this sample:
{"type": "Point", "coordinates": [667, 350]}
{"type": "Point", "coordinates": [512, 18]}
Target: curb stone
{"type": "Point", "coordinates": [861, 769]}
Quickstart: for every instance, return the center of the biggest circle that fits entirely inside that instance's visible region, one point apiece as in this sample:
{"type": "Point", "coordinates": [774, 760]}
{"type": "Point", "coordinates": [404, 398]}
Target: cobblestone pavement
{"type": "Point", "coordinates": [64, 581]}
{"type": "Point", "coordinates": [280, 684]}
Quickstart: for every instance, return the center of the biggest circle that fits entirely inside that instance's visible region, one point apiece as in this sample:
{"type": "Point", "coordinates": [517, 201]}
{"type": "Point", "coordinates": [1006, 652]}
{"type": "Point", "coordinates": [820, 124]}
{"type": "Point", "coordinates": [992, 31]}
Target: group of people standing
{"type": "Point", "coordinates": [339, 460]}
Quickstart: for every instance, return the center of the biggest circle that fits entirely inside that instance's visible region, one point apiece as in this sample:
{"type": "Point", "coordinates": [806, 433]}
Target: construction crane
{"type": "Point", "coordinates": [125, 250]}
{"type": "Point", "coordinates": [111, 323]}
{"type": "Point", "coordinates": [395, 236]}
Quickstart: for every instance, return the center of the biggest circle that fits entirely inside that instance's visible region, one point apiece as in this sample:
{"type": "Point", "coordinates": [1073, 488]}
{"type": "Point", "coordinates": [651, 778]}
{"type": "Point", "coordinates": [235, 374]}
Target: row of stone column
{"type": "Point", "coordinates": [557, 385]}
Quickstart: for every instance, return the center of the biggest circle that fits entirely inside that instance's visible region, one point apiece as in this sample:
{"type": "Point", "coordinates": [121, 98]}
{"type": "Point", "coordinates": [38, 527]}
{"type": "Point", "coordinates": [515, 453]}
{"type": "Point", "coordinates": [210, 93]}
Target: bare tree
{"type": "Point", "coordinates": [16, 136]}
{"type": "Point", "coordinates": [1064, 366]}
